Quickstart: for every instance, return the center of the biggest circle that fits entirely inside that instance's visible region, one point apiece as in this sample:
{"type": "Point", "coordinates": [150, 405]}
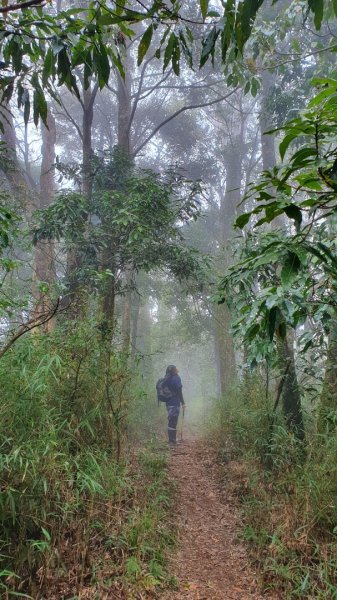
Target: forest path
{"type": "Point", "coordinates": [209, 563]}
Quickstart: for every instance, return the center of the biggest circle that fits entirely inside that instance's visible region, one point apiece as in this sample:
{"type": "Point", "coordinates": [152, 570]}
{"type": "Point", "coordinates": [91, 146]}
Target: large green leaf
{"type": "Point", "coordinates": [284, 145]}
{"type": "Point", "coordinates": [274, 317]}
{"type": "Point", "coordinates": [102, 65]}
{"type": "Point", "coordinates": [300, 158]}
{"type": "Point", "coordinates": [144, 44]}
{"type": "Point", "coordinates": [247, 11]}
{"type": "Point", "coordinates": [208, 45]}
{"type": "Point", "coordinates": [293, 212]}
{"type": "Point", "coordinates": [169, 49]}
{"type": "Point", "coordinates": [290, 269]}
{"type": "Point", "coordinates": [40, 108]}
{"type": "Point", "coordinates": [242, 220]}
{"type": "Point", "coordinates": [317, 7]}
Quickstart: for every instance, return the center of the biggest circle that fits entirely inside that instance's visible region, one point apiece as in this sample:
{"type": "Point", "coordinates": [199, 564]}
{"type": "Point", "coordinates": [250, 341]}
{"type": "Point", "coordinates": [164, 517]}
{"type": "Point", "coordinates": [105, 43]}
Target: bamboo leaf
{"type": "Point", "coordinates": [204, 8]}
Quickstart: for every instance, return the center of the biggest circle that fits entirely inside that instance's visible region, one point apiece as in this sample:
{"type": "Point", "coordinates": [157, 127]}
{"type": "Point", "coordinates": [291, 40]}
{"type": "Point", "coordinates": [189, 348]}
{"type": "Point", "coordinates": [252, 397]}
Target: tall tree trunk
{"type": "Point", "coordinates": [124, 143]}
{"type": "Point", "coordinates": [126, 319]}
{"type": "Point", "coordinates": [144, 339]}
{"type": "Point", "coordinates": [135, 304]}
{"type": "Point", "coordinates": [224, 343]}
{"type": "Point", "coordinates": [44, 251]}
{"type": "Point", "coordinates": [291, 397]}
{"type": "Point", "coordinates": [89, 96]}
{"type": "Point", "coordinates": [108, 291]}
{"type": "Point", "coordinates": [124, 111]}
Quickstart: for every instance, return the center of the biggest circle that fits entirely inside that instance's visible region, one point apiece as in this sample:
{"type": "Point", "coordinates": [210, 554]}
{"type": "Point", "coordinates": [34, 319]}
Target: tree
{"type": "Point", "coordinates": [40, 46]}
{"type": "Point", "coordinates": [302, 188]}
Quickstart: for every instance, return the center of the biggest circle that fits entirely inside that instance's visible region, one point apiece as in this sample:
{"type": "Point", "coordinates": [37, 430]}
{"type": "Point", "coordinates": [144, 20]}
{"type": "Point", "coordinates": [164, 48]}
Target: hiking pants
{"type": "Point", "coordinates": [172, 418]}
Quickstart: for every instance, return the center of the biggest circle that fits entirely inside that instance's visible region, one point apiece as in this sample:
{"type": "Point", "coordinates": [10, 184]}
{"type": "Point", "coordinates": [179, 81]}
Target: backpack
{"type": "Point", "coordinates": [164, 392]}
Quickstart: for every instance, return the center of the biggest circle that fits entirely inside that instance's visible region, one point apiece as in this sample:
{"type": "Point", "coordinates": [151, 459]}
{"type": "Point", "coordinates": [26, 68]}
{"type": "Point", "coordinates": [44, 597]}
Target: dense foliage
{"type": "Point", "coordinates": [168, 183]}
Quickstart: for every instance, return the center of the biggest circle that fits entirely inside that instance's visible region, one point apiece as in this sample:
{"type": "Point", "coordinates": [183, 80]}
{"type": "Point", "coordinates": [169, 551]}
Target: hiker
{"type": "Point", "coordinates": [169, 390]}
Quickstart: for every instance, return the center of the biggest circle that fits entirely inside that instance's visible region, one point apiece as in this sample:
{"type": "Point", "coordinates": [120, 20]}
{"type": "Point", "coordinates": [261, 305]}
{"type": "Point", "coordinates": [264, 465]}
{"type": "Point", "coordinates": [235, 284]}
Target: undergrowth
{"type": "Point", "coordinates": [83, 510]}
{"type": "Point", "coordinates": [288, 493]}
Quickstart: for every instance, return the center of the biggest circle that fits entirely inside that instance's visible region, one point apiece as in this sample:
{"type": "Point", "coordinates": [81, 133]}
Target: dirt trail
{"type": "Point", "coordinates": [210, 564]}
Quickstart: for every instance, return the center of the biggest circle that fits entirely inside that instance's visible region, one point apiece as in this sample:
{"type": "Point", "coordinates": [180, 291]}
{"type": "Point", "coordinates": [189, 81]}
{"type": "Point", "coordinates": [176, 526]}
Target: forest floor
{"type": "Point", "coordinates": [209, 562]}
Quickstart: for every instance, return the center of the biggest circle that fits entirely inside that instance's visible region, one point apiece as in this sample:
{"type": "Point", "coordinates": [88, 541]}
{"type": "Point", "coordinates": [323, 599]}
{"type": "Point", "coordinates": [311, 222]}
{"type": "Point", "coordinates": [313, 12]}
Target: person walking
{"type": "Point", "coordinates": [174, 398]}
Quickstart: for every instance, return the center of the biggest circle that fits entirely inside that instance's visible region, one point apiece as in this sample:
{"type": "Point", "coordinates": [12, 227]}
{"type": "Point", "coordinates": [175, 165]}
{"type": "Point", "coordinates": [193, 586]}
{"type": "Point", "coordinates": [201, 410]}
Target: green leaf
{"type": "Point", "coordinates": [300, 157]}
{"type": "Point", "coordinates": [334, 4]}
{"type": "Point", "coordinates": [17, 57]}
{"type": "Point", "coordinates": [208, 45]}
{"type": "Point", "coordinates": [247, 11]}
{"type": "Point", "coordinates": [169, 50]}
{"type": "Point", "coordinates": [323, 94]}
{"type": "Point", "coordinates": [255, 86]}
{"type": "Point", "coordinates": [176, 59]}
{"type": "Point", "coordinates": [40, 107]}
{"type": "Point", "coordinates": [293, 212]}
{"type": "Point", "coordinates": [204, 8]}
{"type": "Point", "coordinates": [102, 65]}
{"type": "Point", "coordinates": [242, 220]}
{"type": "Point", "coordinates": [273, 319]}
{"type": "Point", "coordinates": [252, 331]}
{"type": "Point", "coordinates": [144, 44]}
{"type": "Point", "coordinates": [284, 145]}
{"type": "Point", "coordinates": [317, 7]}
{"type": "Point", "coordinates": [48, 66]}
{"type": "Point", "coordinates": [290, 269]}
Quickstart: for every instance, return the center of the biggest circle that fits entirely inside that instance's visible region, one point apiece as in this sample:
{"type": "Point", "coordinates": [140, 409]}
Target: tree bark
{"type": "Point", "coordinates": [291, 397]}
{"type": "Point", "coordinates": [124, 111]}
{"type": "Point", "coordinates": [44, 251]}
{"type": "Point", "coordinates": [126, 319]}
{"type": "Point", "coordinates": [224, 343]}
{"type": "Point", "coordinates": [135, 304]}
{"type": "Point", "coordinates": [108, 291]}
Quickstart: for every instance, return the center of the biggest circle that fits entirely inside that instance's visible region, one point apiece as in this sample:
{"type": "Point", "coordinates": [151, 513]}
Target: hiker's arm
{"type": "Point", "coordinates": [181, 397]}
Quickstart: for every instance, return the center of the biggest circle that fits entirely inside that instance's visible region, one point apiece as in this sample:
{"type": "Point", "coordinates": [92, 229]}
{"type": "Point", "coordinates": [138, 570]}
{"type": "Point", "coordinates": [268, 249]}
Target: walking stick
{"type": "Point", "coordinates": [182, 424]}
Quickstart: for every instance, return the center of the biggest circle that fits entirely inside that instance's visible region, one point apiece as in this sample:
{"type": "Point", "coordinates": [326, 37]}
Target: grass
{"type": "Point", "coordinates": [287, 496]}
{"type": "Point", "coordinates": [77, 518]}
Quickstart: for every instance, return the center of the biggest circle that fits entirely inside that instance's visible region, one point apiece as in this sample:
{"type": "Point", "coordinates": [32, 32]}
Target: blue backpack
{"type": "Point", "coordinates": [164, 392]}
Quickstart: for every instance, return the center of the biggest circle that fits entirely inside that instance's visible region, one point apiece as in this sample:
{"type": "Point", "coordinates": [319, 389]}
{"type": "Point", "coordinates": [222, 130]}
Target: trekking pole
{"type": "Point", "coordinates": [182, 425]}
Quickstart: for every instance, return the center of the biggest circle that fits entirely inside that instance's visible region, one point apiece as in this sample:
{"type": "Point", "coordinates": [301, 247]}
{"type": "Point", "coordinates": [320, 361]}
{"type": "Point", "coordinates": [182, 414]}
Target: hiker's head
{"type": "Point", "coordinates": [171, 370]}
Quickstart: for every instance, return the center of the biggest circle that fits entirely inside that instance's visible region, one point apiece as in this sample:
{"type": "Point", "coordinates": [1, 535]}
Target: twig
{"type": "Point", "coordinates": [27, 4]}
{"type": "Point", "coordinates": [29, 326]}
{"type": "Point", "coordinates": [178, 112]}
